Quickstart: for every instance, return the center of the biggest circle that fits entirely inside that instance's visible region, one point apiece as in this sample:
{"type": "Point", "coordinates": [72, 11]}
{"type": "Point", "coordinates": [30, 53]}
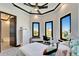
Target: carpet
{"type": "Point", "coordinates": [9, 52]}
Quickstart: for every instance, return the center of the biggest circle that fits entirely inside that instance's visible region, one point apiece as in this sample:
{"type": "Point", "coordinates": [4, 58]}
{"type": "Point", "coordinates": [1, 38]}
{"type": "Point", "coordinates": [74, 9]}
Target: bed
{"type": "Point", "coordinates": [37, 49]}
{"type": "Point", "coordinates": [32, 49]}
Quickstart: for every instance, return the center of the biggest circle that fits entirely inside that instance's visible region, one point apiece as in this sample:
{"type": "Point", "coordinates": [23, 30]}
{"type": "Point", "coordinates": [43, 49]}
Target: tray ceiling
{"type": "Point", "coordinates": [51, 6]}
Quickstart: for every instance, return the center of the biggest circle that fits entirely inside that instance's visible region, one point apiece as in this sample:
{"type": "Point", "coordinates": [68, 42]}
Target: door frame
{"type": "Point", "coordinates": [5, 20]}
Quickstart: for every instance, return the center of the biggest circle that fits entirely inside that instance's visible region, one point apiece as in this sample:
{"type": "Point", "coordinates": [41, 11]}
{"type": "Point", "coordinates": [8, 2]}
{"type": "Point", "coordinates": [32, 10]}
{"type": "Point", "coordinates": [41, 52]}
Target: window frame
{"type": "Point", "coordinates": [33, 29]}
{"type": "Point", "coordinates": [61, 25]}
{"type": "Point", "coordinates": [51, 27]}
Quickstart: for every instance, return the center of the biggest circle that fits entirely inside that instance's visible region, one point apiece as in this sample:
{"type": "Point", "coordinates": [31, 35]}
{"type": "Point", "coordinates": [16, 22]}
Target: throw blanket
{"type": "Point", "coordinates": [63, 50]}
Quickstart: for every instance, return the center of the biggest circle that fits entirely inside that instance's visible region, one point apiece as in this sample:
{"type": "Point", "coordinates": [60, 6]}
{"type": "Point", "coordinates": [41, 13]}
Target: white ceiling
{"type": "Point", "coordinates": [31, 9]}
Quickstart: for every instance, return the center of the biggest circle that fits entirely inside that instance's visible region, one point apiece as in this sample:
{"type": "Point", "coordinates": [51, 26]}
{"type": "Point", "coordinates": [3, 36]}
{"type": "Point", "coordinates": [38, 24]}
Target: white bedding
{"type": "Point", "coordinates": [33, 49]}
{"type": "Point", "coordinates": [63, 50]}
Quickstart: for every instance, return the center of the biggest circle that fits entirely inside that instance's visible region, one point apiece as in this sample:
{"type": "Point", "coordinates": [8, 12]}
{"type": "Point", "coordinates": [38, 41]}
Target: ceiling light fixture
{"type": "Point", "coordinates": [35, 16]}
{"type": "Point", "coordinates": [36, 8]}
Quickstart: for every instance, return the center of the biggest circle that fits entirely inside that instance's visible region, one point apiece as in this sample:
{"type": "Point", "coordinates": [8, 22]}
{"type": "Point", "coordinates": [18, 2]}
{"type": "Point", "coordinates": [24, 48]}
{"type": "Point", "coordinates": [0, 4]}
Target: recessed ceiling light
{"type": "Point", "coordinates": [35, 16]}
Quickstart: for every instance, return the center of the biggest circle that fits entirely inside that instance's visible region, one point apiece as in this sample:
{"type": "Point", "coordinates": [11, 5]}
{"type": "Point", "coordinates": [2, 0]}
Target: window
{"type": "Point", "coordinates": [49, 29]}
{"type": "Point", "coordinates": [65, 27]}
{"type": "Point", "coordinates": [35, 29]}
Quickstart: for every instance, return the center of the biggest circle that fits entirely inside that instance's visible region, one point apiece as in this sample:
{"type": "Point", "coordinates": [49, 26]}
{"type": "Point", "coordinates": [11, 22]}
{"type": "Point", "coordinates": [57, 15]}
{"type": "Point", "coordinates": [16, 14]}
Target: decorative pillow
{"type": "Point", "coordinates": [75, 51]}
{"type": "Point", "coordinates": [74, 42]}
{"type": "Point", "coordinates": [74, 45]}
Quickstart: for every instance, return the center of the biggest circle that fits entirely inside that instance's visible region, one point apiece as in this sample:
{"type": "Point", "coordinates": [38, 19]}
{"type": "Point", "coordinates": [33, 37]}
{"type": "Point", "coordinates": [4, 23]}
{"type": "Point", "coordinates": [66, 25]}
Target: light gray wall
{"type": "Point", "coordinates": [55, 16]}
{"type": "Point", "coordinates": [73, 9]}
{"type": "Point", "coordinates": [39, 19]}
{"type": "Point", "coordinates": [23, 19]}
{"type": "Point", "coordinates": [78, 20]}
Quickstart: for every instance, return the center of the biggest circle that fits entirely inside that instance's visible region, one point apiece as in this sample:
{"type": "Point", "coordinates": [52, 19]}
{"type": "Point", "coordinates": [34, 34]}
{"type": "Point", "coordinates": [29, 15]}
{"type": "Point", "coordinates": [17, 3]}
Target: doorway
{"type": "Point", "coordinates": [7, 31]}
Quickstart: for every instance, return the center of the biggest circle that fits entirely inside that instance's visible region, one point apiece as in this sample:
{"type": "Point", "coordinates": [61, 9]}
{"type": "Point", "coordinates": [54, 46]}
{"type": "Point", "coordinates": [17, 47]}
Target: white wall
{"type": "Point", "coordinates": [23, 19]}
{"type": "Point", "coordinates": [73, 9]}
{"type": "Point", "coordinates": [55, 16]}
{"type": "Point", "coordinates": [37, 18]}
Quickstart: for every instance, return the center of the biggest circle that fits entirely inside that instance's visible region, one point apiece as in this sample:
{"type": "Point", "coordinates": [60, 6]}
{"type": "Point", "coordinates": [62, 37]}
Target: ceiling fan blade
{"type": "Point", "coordinates": [45, 4]}
{"type": "Point", "coordinates": [36, 4]}
{"type": "Point", "coordinates": [31, 5]}
{"type": "Point", "coordinates": [38, 11]}
{"type": "Point", "coordinates": [26, 4]}
{"type": "Point", "coordinates": [43, 7]}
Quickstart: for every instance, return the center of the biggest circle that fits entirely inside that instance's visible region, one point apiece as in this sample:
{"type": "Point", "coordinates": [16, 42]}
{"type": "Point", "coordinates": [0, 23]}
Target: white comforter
{"type": "Point", "coordinates": [33, 49]}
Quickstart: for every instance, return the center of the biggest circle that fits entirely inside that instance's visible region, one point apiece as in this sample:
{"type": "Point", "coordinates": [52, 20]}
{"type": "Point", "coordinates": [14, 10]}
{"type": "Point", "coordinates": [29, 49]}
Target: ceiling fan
{"type": "Point", "coordinates": [37, 7]}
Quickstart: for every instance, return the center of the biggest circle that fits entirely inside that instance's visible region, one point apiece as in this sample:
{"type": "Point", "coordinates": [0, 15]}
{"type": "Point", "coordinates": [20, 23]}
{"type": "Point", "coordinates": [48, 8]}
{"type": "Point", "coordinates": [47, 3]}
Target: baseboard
{"type": "Point", "coordinates": [18, 45]}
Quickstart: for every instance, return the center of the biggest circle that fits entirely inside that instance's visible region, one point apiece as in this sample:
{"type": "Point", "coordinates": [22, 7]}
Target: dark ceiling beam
{"type": "Point", "coordinates": [57, 6]}
{"type": "Point", "coordinates": [20, 8]}
{"type": "Point", "coordinates": [25, 10]}
{"type": "Point", "coordinates": [52, 9]}
{"type": "Point", "coordinates": [36, 13]}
